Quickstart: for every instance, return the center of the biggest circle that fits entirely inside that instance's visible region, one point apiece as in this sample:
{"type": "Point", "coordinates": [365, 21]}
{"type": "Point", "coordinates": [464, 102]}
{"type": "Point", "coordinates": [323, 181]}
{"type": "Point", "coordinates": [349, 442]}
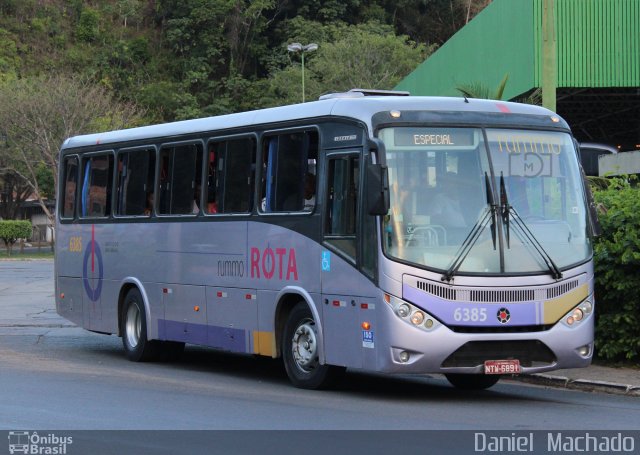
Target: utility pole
{"type": "Point", "coordinates": [549, 55]}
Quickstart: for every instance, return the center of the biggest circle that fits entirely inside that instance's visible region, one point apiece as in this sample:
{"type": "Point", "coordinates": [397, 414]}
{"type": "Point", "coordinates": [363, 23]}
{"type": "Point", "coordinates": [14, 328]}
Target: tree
{"type": "Point", "coordinates": [12, 230]}
{"type": "Point", "coordinates": [9, 60]}
{"type": "Point", "coordinates": [130, 10]}
{"type": "Point", "coordinates": [367, 58]}
{"type": "Point", "coordinates": [431, 21]}
{"type": "Point", "coordinates": [87, 29]}
{"type": "Point", "coordinates": [38, 114]}
{"type": "Point", "coordinates": [364, 56]}
{"type": "Point", "coordinates": [13, 192]}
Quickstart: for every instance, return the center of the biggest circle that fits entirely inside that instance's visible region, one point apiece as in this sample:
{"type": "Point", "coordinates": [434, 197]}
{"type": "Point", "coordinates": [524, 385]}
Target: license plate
{"type": "Point", "coordinates": [502, 367]}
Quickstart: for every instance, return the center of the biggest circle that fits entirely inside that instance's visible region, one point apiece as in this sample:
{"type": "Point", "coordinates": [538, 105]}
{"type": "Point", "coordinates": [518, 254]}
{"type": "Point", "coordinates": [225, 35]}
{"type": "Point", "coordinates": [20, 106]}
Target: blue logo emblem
{"type": "Point", "coordinates": [92, 269]}
{"type": "Point", "coordinates": [326, 261]}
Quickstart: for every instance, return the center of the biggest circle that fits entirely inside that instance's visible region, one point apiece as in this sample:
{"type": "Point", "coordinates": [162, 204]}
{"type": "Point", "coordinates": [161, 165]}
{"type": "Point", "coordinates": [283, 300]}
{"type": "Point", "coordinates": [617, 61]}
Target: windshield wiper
{"type": "Point", "coordinates": [507, 211]}
{"type": "Point", "coordinates": [521, 225]}
{"type": "Point", "coordinates": [487, 215]}
{"type": "Point", "coordinates": [504, 208]}
{"type": "Point", "coordinates": [492, 203]}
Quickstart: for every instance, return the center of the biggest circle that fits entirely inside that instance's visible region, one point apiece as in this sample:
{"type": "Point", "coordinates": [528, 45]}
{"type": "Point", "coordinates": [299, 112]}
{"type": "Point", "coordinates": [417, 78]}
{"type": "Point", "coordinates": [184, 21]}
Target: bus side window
{"type": "Point", "coordinates": [68, 203]}
{"type": "Point", "coordinates": [135, 182]}
{"type": "Point", "coordinates": [288, 161]}
{"type": "Point", "coordinates": [180, 179]}
{"type": "Point", "coordinates": [238, 175]}
{"type": "Point", "coordinates": [341, 197]}
{"type": "Point", "coordinates": [230, 176]}
{"type": "Point", "coordinates": [96, 186]}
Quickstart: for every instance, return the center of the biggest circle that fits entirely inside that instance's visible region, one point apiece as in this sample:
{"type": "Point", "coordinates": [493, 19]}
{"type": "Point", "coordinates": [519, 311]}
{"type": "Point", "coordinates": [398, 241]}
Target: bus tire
{"type": "Point", "coordinates": [134, 329]}
{"type": "Point", "coordinates": [300, 352]}
{"type": "Point", "coordinates": [472, 381]}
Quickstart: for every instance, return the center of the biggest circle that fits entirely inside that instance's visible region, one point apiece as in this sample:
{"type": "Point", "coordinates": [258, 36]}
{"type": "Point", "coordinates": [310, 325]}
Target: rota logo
{"type": "Point", "coordinates": [272, 262]}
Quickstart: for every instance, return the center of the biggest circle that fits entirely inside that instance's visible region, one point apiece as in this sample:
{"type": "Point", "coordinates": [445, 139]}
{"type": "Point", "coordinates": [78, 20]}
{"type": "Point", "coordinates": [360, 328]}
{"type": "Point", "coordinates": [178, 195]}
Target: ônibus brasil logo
{"type": "Point", "coordinates": [33, 443]}
{"type": "Point", "coordinates": [92, 268]}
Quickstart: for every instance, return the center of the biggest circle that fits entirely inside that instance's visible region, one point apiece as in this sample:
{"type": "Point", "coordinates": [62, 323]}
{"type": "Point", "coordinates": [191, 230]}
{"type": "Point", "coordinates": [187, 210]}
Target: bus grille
{"type": "Point", "coordinates": [494, 295]}
{"type": "Point", "coordinates": [474, 353]}
{"type": "Point", "coordinates": [557, 291]}
{"type": "Point", "coordinates": [435, 289]}
{"type": "Point", "coordinates": [521, 295]}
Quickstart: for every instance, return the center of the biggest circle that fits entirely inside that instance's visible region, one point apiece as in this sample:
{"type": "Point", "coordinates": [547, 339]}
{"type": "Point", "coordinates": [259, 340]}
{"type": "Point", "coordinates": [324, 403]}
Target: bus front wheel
{"type": "Point", "coordinates": [300, 352]}
{"type": "Point", "coordinates": [472, 381]}
{"type": "Point", "coordinates": [134, 329]}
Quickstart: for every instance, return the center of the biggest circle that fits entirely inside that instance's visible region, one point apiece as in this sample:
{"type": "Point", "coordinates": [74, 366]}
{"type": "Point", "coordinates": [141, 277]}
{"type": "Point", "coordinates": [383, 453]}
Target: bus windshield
{"type": "Point", "coordinates": [494, 201]}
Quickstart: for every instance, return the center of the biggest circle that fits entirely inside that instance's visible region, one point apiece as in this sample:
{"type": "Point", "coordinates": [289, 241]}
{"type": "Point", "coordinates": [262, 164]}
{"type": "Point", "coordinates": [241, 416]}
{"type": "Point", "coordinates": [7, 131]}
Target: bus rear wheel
{"type": "Point", "coordinates": [472, 381]}
{"type": "Point", "coordinates": [134, 329]}
{"type": "Point", "coordinates": [300, 352]}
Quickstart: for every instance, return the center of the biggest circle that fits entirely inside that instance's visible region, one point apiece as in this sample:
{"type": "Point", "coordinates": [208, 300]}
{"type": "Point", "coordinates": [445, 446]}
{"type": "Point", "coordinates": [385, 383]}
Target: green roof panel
{"type": "Point", "coordinates": [598, 45]}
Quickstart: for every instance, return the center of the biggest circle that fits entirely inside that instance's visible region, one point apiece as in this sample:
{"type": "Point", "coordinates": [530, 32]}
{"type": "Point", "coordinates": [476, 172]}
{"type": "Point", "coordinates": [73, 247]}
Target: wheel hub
{"type": "Point", "coordinates": [133, 326]}
{"type": "Point", "coordinates": [305, 347]}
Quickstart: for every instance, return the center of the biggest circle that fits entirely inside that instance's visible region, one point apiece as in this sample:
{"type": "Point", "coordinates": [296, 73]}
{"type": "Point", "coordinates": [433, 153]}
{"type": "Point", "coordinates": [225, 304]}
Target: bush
{"type": "Point", "coordinates": [12, 230]}
{"type": "Point", "coordinates": [617, 262]}
{"type": "Point", "coordinates": [87, 30]}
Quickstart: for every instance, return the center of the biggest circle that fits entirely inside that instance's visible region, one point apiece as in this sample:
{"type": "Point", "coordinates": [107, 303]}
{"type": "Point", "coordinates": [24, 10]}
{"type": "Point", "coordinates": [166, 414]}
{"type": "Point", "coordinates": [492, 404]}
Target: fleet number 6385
{"type": "Point", "coordinates": [470, 314]}
{"type": "Point", "coordinates": [75, 244]}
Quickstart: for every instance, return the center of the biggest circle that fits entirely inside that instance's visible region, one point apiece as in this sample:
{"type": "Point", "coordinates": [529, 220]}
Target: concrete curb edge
{"type": "Point", "coordinates": [586, 385]}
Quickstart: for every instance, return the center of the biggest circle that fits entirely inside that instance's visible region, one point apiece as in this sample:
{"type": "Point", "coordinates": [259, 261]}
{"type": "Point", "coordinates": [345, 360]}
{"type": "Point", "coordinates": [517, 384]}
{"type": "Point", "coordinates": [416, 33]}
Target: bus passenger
{"type": "Point", "coordinates": [195, 208]}
{"type": "Point", "coordinates": [309, 192]}
{"type": "Point", "coordinates": [212, 203]}
{"type": "Point", "coordinates": [148, 210]}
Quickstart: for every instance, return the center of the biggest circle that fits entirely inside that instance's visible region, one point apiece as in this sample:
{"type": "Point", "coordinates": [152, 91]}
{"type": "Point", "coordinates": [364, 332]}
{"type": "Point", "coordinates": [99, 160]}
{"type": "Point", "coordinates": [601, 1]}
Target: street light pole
{"type": "Point", "coordinates": [297, 47]}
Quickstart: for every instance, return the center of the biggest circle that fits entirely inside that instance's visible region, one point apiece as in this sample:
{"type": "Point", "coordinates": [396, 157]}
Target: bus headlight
{"type": "Point", "coordinates": [403, 310]}
{"type": "Point", "coordinates": [412, 314]}
{"type": "Point", "coordinates": [586, 307]}
{"type": "Point", "coordinates": [417, 318]}
{"type": "Point", "coordinates": [575, 316]}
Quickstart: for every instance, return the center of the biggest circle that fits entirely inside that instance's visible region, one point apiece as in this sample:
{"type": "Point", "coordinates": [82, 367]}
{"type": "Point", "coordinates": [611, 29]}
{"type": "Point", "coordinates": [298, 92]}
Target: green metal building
{"type": "Point", "coordinates": [584, 54]}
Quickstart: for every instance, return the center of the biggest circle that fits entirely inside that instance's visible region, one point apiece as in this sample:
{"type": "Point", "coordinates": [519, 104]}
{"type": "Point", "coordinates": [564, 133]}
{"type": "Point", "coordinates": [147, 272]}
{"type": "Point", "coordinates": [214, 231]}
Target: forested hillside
{"type": "Point", "coordinates": [191, 58]}
{"type": "Point", "coordinates": [70, 67]}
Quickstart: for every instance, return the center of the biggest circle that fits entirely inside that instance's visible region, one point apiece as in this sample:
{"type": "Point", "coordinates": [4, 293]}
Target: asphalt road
{"type": "Point", "coordinates": [59, 377]}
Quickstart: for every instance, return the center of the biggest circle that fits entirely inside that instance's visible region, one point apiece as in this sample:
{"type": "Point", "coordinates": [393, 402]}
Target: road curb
{"type": "Point", "coordinates": [587, 385]}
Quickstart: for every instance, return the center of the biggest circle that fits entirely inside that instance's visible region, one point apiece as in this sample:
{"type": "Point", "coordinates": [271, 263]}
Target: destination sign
{"type": "Point", "coordinates": [439, 137]}
{"type": "Point", "coordinates": [523, 143]}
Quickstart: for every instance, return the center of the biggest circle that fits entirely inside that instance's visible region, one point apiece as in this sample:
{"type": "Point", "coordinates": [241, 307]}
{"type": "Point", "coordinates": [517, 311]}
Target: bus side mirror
{"type": "Point", "coordinates": [377, 189]}
{"type": "Point", "coordinates": [596, 229]}
{"type": "Point", "coordinates": [594, 222]}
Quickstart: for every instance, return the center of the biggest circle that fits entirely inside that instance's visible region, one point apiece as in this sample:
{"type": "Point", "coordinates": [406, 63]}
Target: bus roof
{"type": "Point", "coordinates": [359, 108]}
